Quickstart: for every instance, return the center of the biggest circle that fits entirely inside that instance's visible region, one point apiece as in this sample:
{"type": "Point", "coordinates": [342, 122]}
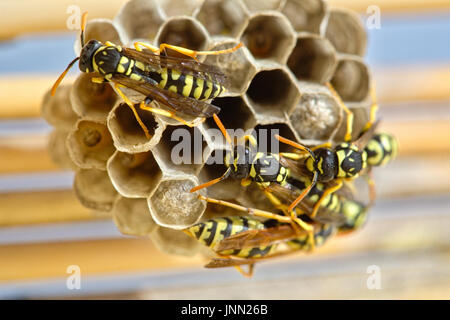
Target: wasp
{"type": "Point", "coordinates": [250, 165]}
{"type": "Point", "coordinates": [346, 161]}
{"type": "Point", "coordinates": [245, 240]}
{"type": "Point", "coordinates": [181, 84]}
{"type": "Point", "coordinates": [240, 240]}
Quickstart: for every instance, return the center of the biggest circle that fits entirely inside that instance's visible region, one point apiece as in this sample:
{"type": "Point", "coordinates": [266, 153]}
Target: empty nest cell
{"type": "Point", "coordinates": [214, 167]}
{"type": "Point", "coordinates": [234, 114]}
{"type": "Point", "coordinates": [58, 151]}
{"type": "Point", "coordinates": [222, 17]}
{"type": "Point", "coordinates": [184, 32]}
{"type": "Point", "coordinates": [346, 32]}
{"type": "Point", "coordinates": [134, 175]}
{"type": "Point", "coordinates": [99, 29]}
{"type": "Point", "coordinates": [128, 135]}
{"type": "Point", "coordinates": [91, 100]}
{"type": "Point", "coordinates": [57, 110]}
{"type": "Point", "coordinates": [351, 79]}
{"type": "Point", "coordinates": [272, 93]}
{"type": "Point", "coordinates": [94, 189]}
{"type": "Point", "coordinates": [132, 217]}
{"type": "Point", "coordinates": [313, 59]}
{"type": "Point", "coordinates": [269, 35]}
{"type": "Point", "coordinates": [238, 66]}
{"type": "Point", "coordinates": [174, 242]}
{"type": "Point", "coordinates": [265, 135]}
{"type": "Point", "coordinates": [90, 145]}
{"type": "Point", "coordinates": [305, 15]}
{"type": "Point", "coordinates": [140, 19]}
{"type": "Point", "coordinates": [181, 149]}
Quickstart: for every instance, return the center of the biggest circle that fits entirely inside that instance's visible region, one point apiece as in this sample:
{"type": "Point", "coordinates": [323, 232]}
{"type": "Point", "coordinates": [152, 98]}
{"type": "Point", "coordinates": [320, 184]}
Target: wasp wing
{"type": "Point", "coordinates": [230, 262]}
{"type": "Point", "coordinates": [257, 238]}
{"type": "Point", "coordinates": [288, 193]}
{"type": "Point", "coordinates": [362, 141]}
{"type": "Point", "coordinates": [184, 65]}
{"type": "Point", "coordinates": [177, 102]}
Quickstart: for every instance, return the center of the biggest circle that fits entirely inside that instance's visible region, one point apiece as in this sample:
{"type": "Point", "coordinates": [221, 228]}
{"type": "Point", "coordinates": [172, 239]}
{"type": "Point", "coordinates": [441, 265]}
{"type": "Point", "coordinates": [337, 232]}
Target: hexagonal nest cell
{"type": "Point", "coordinates": [276, 81]}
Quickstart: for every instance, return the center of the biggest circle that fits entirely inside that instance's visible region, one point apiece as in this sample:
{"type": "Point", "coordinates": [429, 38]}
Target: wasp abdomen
{"type": "Point", "coordinates": [187, 84]}
{"type": "Point", "coordinates": [213, 231]}
{"type": "Point", "coordinates": [381, 149]}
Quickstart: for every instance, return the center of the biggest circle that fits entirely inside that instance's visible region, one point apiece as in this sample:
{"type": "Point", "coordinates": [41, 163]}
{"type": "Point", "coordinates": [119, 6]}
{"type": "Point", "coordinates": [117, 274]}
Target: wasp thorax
{"type": "Point", "coordinates": [326, 164]}
{"type": "Point", "coordinates": [350, 160]}
{"type": "Point", "coordinates": [107, 59]}
{"type": "Point", "coordinates": [87, 55]}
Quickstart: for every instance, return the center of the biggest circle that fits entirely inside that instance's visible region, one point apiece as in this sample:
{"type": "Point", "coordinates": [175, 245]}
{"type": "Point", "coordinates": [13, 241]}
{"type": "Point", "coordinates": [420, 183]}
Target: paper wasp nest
{"type": "Point", "coordinates": [292, 48]}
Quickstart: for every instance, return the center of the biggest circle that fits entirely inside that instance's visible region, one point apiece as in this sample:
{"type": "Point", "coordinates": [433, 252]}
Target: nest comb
{"type": "Point", "coordinates": [292, 48]}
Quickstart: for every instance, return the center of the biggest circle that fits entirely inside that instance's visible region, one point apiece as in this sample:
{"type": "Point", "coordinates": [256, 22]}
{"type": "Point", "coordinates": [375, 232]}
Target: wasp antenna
{"type": "Point", "coordinates": [83, 27]}
{"type": "Point", "coordinates": [58, 81]}
{"type": "Point", "coordinates": [222, 129]}
{"type": "Point", "coordinates": [210, 183]}
{"type": "Point", "coordinates": [295, 145]}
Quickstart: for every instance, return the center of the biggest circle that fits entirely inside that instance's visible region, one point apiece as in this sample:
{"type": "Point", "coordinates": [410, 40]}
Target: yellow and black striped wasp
{"type": "Point", "coordinates": [246, 163]}
{"type": "Point", "coordinates": [245, 241]}
{"type": "Point", "coordinates": [240, 240]}
{"type": "Point", "coordinates": [346, 161]}
{"type": "Point", "coordinates": [181, 84]}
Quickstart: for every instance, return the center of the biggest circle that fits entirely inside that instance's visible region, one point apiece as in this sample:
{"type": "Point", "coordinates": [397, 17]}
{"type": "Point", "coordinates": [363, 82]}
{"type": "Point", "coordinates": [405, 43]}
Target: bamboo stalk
{"type": "Point", "coordinates": [391, 231]}
{"type": "Point", "coordinates": [408, 83]}
{"type": "Point", "coordinates": [24, 154]}
{"type": "Point", "coordinates": [388, 6]}
{"type": "Point", "coordinates": [20, 17]}
{"type": "Point", "coordinates": [41, 207]}
{"type": "Point", "coordinates": [16, 102]}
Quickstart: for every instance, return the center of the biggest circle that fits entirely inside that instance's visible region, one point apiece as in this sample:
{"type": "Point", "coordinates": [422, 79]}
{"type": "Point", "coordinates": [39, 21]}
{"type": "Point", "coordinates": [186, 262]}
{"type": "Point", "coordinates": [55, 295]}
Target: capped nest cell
{"type": "Point", "coordinates": [277, 80]}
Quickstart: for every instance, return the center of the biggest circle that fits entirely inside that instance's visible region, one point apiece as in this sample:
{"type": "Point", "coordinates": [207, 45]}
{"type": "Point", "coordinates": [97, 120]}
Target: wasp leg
{"type": "Point", "coordinates": [193, 53]}
{"type": "Point", "coordinates": [248, 273]}
{"type": "Point", "coordinates": [98, 80]}
{"type": "Point", "coordinates": [250, 211]}
{"type": "Point", "coordinates": [169, 114]}
{"type": "Point", "coordinates": [348, 134]}
{"type": "Point", "coordinates": [296, 221]}
{"type": "Point", "coordinates": [292, 156]}
{"type": "Point", "coordinates": [110, 44]}
{"type": "Point", "coordinates": [373, 110]}
{"type": "Point", "coordinates": [251, 139]}
{"type": "Point", "coordinates": [138, 46]}
{"type": "Point", "coordinates": [211, 182]}
{"type": "Point", "coordinates": [325, 194]}
{"type": "Point", "coordinates": [131, 105]}
{"type": "Point", "coordinates": [372, 190]}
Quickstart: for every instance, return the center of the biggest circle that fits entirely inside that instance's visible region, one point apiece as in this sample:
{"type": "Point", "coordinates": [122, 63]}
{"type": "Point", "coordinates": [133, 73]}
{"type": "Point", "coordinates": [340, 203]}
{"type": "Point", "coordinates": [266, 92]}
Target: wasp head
{"type": "Point", "coordinates": [350, 159]}
{"type": "Point", "coordinates": [325, 164]}
{"type": "Point", "coordinates": [87, 55]}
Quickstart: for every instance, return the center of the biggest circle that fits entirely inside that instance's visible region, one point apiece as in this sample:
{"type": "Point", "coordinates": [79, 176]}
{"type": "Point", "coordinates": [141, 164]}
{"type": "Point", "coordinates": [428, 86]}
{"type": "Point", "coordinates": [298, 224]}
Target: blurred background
{"type": "Point", "coordinates": [43, 228]}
